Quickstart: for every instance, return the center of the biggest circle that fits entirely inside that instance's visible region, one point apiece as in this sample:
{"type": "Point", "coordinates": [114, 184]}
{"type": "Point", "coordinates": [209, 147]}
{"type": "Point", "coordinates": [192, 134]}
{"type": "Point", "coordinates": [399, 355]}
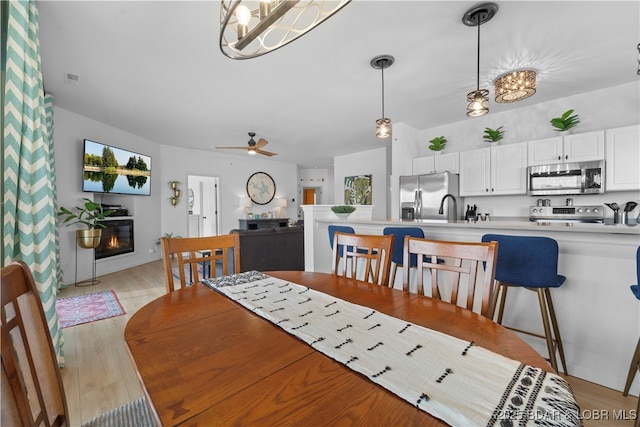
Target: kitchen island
{"type": "Point", "coordinates": [599, 318]}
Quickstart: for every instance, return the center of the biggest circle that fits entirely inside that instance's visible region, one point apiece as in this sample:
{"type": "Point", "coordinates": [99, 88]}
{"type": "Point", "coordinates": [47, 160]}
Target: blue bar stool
{"type": "Point", "coordinates": [398, 247]}
{"type": "Point", "coordinates": [531, 263]}
{"type": "Point", "coordinates": [343, 229]}
{"type": "Point", "coordinates": [635, 362]}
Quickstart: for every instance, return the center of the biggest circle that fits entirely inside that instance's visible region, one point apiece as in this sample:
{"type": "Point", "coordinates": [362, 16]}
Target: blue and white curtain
{"type": "Point", "coordinates": [29, 218]}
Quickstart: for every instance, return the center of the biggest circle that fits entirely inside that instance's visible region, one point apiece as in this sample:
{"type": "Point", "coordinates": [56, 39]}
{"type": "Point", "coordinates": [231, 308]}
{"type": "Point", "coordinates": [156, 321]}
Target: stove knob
{"type": "Point", "coordinates": [540, 210]}
{"type": "Point", "coordinates": [595, 210]}
{"type": "Point", "coordinates": [587, 210]}
{"type": "Point", "coordinates": [579, 210]}
{"type": "Point", "coordinates": [534, 210]}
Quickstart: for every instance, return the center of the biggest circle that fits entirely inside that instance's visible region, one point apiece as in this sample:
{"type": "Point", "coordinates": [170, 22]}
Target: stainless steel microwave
{"type": "Point", "coordinates": [566, 178]}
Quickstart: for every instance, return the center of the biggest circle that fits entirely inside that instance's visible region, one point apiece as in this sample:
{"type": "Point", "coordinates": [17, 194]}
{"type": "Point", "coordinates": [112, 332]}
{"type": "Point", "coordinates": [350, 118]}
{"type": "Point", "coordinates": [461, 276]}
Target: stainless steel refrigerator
{"type": "Point", "coordinates": [422, 195]}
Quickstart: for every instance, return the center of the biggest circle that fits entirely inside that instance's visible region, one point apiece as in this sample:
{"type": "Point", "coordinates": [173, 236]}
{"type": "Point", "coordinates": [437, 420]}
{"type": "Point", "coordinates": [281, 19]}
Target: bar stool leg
{"type": "Point", "coordinates": [502, 289]}
{"type": "Point", "coordinates": [393, 275]}
{"type": "Point", "coordinates": [556, 330]}
{"type": "Point", "coordinates": [633, 368]}
{"type": "Point", "coordinates": [547, 329]}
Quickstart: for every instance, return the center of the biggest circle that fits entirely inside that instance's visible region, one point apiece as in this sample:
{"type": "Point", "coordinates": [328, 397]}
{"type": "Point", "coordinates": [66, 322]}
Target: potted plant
{"type": "Point", "coordinates": [343, 211]}
{"type": "Point", "coordinates": [90, 214]}
{"type": "Point", "coordinates": [493, 135]}
{"type": "Point", "coordinates": [565, 122]}
{"type": "Point", "coordinates": [438, 143]}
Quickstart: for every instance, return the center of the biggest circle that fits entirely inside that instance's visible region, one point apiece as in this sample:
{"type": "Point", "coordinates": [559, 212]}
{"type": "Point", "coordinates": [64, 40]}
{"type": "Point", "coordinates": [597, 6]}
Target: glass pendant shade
{"type": "Point", "coordinates": [383, 128]}
{"type": "Point", "coordinates": [478, 103]}
{"type": "Point", "coordinates": [515, 86]}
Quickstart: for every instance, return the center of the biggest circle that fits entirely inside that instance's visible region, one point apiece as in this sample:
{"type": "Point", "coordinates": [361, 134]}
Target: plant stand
{"type": "Point", "coordinates": [91, 281]}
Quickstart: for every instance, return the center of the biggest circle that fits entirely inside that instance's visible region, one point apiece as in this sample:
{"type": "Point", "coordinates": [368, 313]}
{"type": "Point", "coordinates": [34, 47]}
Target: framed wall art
{"type": "Point", "coordinates": [357, 190]}
{"type": "Point", "coordinates": [261, 188]}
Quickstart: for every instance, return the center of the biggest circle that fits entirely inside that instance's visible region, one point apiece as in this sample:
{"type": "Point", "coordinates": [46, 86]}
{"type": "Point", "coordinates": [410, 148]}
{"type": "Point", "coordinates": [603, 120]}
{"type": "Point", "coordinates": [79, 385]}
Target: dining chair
{"type": "Point", "coordinates": [373, 250]}
{"type": "Point", "coordinates": [32, 387]}
{"type": "Point", "coordinates": [192, 252]}
{"type": "Point", "coordinates": [462, 260]}
{"type": "Point", "coordinates": [634, 366]}
{"type": "Point", "coordinates": [530, 262]}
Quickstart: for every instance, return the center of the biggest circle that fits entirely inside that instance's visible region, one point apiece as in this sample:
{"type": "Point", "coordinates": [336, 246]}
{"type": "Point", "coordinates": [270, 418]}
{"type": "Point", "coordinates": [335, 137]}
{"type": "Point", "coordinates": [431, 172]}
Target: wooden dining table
{"type": "Point", "coordinates": [205, 360]}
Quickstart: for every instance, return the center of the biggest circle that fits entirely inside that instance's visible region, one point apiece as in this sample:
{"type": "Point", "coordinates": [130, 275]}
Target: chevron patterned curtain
{"type": "Point", "coordinates": [29, 230]}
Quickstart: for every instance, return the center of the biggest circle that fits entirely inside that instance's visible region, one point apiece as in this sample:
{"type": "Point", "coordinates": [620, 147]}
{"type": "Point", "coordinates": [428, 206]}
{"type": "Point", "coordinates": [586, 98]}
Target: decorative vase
{"type": "Point", "coordinates": [88, 238]}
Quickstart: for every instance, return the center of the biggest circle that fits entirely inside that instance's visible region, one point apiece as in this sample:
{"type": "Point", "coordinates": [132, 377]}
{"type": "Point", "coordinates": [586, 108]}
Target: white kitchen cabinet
{"type": "Point", "coordinates": [442, 162]}
{"type": "Point", "coordinates": [494, 171]}
{"type": "Point", "coordinates": [622, 159]}
{"type": "Point", "coordinates": [579, 147]}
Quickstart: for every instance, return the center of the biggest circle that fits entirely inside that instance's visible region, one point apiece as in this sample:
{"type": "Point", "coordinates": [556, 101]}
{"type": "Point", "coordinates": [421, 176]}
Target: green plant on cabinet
{"type": "Point", "coordinates": [438, 143]}
{"type": "Point", "coordinates": [565, 122]}
{"type": "Point", "coordinates": [493, 135]}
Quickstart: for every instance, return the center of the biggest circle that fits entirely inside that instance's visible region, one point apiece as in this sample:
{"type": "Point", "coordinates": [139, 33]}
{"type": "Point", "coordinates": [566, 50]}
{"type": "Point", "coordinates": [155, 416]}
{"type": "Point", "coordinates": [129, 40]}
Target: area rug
{"type": "Point", "coordinates": [88, 308]}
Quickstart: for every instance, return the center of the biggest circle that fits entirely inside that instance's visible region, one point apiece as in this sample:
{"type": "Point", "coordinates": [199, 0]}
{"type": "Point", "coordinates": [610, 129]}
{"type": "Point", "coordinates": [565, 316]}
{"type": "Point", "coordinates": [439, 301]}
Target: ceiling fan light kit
{"type": "Point", "coordinates": [251, 28]}
{"type": "Point", "coordinates": [253, 147]}
{"type": "Point", "coordinates": [478, 99]}
{"type": "Point", "coordinates": [383, 124]}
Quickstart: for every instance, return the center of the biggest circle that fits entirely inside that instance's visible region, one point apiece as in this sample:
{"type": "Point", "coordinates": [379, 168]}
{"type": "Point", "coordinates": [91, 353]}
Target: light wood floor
{"type": "Point", "coordinates": [99, 375]}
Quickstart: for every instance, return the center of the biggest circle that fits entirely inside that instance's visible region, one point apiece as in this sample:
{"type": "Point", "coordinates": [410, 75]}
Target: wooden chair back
{"type": "Point", "coordinates": [32, 388]}
{"type": "Point", "coordinates": [464, 260]}
{"type": "Point", "coordinates": [191, 252]}
{"type": "Point", "coordinates": [374, 250]}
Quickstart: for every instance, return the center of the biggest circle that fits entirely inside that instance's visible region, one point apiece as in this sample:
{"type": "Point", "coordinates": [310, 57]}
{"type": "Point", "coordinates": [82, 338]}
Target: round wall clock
{"type": "Point", "coordinates": [261, 188]}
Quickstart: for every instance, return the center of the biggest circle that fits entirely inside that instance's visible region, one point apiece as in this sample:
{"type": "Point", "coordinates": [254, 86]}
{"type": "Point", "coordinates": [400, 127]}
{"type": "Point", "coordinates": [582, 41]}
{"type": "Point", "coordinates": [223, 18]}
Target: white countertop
{"type": "Point", "coordinates": [506, 224]}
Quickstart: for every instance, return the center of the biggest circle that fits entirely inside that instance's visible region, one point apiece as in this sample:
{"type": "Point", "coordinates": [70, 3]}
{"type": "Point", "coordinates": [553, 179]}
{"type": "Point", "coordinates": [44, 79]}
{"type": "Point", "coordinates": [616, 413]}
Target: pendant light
{"type": "Point", "coordinates": [383, 124]}
{"type": "Point", "coordinates": [251, 28]}
{"type": "Point", "coordinates": [478, 99]}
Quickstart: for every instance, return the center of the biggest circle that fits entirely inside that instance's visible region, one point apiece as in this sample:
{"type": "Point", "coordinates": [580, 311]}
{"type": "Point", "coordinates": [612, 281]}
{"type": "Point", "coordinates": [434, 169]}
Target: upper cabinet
{"type": "Point", "coordinates": [577, 147]}
{"type": "Point", "coordinates": [442, 162]}
{"type": "Point", "coordinates": [497, 170]}
{"type": "Point", "coordinates": [622, 161]}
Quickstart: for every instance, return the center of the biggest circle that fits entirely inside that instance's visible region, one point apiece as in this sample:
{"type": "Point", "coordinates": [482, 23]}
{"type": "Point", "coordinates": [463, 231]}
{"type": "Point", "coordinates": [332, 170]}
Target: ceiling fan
{"type": "Point", "coordinates": [253, 146]}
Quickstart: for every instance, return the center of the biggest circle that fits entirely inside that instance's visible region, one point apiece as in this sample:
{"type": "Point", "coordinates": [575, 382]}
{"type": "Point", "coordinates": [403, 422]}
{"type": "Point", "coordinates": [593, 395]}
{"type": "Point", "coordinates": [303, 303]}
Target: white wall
{"type": "Point", "coordinates": [153, 215]}
{"type": "Point", "coordinates": [319, 179]}
{"type": "Point", "coordinates": [372, 162]}
{"type": "Point", "coordinates": [234, 171]}
{"type": "Point", "coordinates": [70, 130]}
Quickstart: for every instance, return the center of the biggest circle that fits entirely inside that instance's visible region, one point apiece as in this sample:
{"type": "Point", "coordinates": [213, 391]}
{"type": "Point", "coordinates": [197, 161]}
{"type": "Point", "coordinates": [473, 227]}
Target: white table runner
{"type": "Point", "coordinates": [451, 379]}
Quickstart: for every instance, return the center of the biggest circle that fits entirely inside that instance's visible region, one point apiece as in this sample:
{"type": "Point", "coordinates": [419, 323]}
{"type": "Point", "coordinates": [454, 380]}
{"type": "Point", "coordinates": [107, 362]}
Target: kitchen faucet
{"type": "Point", "coordinates": [455, 205]}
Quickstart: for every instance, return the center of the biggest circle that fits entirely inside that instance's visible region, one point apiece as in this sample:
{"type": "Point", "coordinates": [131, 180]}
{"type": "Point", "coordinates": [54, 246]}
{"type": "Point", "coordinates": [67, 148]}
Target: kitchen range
{"type": "Point", "coordinates": [569, 213]}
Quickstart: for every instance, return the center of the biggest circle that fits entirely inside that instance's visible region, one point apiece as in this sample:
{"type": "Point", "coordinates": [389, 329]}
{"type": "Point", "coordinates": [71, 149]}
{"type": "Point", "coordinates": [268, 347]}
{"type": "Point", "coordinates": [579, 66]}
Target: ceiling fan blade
{"type": "Point", "coordinates": [261, 143]}
{"type": "Point", "coordinates": [266, 153]}
{"type": "Point", "coordinates": [233, 148]}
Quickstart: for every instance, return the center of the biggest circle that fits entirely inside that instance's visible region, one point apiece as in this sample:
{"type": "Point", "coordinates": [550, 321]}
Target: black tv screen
{"type": "Point", "coordinates": [108, 169]}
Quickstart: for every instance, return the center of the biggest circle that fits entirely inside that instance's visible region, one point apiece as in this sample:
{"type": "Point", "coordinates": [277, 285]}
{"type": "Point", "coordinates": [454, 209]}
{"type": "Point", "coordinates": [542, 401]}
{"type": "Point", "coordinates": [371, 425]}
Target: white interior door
{"type": "Point", "coordinates": [209, 206]}
{"type": "Point", "coordinates": [205, 205]}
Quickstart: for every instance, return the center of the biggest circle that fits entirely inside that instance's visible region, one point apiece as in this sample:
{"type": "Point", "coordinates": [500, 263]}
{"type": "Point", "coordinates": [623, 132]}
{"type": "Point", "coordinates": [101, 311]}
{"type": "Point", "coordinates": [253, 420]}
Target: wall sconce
{"type": "Point", "coordinates": [244, 202]}
{"type": "Point", "coordinates": [176, 192]}
{"type": "Point", "coordinates": [281, 204]}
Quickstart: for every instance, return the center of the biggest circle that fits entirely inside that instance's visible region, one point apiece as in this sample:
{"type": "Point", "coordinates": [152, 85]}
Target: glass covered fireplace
{"type": "Point", "coordinates": [117, 238]}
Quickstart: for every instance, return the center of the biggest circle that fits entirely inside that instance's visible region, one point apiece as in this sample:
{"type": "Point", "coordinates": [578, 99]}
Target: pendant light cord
{"type": "Point", "coordinates": [382, 68]}
{"type": "Point", "coordinates": [478, 69]}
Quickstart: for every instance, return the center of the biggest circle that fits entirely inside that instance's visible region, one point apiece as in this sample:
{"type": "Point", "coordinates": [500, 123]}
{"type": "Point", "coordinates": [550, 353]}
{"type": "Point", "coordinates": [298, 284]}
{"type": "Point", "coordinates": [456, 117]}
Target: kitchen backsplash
{"type": "Point", "coordinates": [518, 206]}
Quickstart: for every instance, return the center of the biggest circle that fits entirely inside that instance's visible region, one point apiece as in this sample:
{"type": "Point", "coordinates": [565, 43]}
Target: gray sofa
{"type": "Point", "coordinates": [280, 248]}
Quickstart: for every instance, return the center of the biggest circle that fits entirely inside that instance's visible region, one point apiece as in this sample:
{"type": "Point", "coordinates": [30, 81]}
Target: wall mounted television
{"type": "Point", "coordinates": [112, 170]}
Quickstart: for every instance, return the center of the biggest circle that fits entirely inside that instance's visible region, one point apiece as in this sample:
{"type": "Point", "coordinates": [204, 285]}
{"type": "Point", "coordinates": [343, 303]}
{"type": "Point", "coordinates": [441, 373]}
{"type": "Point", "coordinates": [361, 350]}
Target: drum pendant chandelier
{"type": "Point", "coordinates": [478, 99]}
{"type": "Point", "coordinates": [249, 29]}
